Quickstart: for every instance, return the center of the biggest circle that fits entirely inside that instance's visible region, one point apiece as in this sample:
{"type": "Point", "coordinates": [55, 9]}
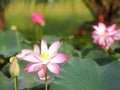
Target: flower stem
{"type": "Point", "coordinates": [38, 32]}
{"type": "Point", "coordinates": [18, 41]}
{"type": "Point", "coordinates": [41, 33]}
{"type": "Point", "coordinates": [15, 83]}
{"type": "Point", "coordinates": [46, 82]}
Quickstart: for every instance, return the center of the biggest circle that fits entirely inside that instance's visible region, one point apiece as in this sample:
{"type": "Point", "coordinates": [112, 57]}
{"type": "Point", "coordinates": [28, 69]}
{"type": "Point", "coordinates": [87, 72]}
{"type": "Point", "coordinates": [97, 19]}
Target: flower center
{"type": "Point", "coordinates": [103, 34]}
{"type": "Point", "coordinates": [45, 56]}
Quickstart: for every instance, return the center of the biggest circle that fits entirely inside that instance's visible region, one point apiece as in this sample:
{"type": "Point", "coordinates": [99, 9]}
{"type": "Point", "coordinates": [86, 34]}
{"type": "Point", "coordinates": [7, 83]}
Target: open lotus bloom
{"type": "Point", "coordinates": [38, 19]}
{"type": "Point", "coordinates": [105, 36]}
{"type": "Point", "coordinates": [46, 58]}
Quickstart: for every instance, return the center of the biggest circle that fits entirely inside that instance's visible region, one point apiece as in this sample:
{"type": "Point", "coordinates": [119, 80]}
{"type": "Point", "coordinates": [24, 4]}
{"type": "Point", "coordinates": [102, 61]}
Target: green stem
{"type": "Point", "coordinates": [41, 33]}
{"type": "Point", "coordinates": [15, 83]}
{"type": "Point", "coordinates": [46, 82]}
{"type": "Point", "coordinates": [38, 32]}
{"type": "Point", "coordinates": [18, 41]}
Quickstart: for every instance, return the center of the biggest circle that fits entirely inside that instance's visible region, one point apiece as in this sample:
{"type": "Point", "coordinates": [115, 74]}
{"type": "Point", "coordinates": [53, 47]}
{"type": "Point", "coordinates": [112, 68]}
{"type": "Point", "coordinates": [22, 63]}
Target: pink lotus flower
{"type": "Point", "coordinates": [48, 58]}
{"type": "Point", "coordinates": [38, 18]}
{"type": "Point", "coordinates": [105, 36]}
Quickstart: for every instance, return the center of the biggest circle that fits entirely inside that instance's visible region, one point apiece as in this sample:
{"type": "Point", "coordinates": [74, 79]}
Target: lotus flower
{"type": "Point", "coordinates": [37, 18]}
{"type": "Point", "coordinates": [105, 36]}
{"type": "Point", "coordinates": [40, 61]}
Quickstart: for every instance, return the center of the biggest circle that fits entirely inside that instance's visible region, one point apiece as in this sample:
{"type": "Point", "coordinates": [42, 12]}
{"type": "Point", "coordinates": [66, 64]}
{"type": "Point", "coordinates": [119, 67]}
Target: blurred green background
{"type": "Point", "coordinates": [62, 17]}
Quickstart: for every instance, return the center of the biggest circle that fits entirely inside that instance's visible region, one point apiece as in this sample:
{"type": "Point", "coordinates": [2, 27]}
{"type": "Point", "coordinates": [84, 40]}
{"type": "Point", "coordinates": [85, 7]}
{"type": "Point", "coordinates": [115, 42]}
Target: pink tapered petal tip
{"type": "Point", "coordinates": [32, 67]}
{"type": "Point", "coordinates": [42, 72]}
{"type": "Point", "coordinates": [44, 47]}
{"type": "Point", "coordinates": [36, 49]}
{"type": "Point", "coordinates": [23, 53]}
{"type": "Point", "coordinates": [59, 58]}
{"type": "Point", "coordinates": [54, 47]}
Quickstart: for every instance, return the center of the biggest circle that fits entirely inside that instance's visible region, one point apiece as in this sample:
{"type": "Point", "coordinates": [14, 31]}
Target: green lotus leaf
{"type": "Point", "coordinates": [8, 43]}
{"type": "Point", "coordinates": [87, 75]}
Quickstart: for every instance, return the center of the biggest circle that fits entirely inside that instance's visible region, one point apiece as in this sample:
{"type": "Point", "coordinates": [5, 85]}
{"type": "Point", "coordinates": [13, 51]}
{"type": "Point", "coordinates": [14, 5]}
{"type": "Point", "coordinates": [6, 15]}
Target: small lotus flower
{"type": "Point", "coordinates": [47, 58]}
{"type": "Point", "coordinates": [37, 18]}
{"type": "Point", "coordinates": [105, 36]}
{"type": "Point", "coordinates": [14, 67]}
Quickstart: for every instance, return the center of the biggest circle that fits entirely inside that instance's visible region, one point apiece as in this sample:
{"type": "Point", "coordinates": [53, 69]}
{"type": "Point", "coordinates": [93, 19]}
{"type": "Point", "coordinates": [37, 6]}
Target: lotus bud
{"type": "Point", "coordinates": [14, 67]}
{"type": "Point", "coordinates": [37, 18]}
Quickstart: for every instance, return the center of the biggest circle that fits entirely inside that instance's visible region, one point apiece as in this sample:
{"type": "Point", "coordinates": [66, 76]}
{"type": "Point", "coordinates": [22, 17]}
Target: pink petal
{"type": "Point", "coordinates": [99, 30]}
{"type": "Point", "coordinates": [54, 47]}
{"type": "Point", "coordinates": [101, 26]}
{"type": "Point", "coordinates": [95, 33]}
{"type": "Point", "coordinates": [42, 72]}
{"type": "Point", "coordinates": [96, 28]}
{"type": "Point", "coordinates": [111, 28]}
{"type": "Point", "coordinates": [36, 49]}
{"type": "Point", "coordinates": [37, 18]}
{"type": "Point", "coordinates": [107, 43]}
{"type": "Point", "coordinates": [24, 52]}
{"type": "Point", "coordinates": [59, 58]}
{"type": "Point", "coordinates": [112, 33]}
{"type": "Point", "coordinates": [95, 37]}
{"type": "Point", "coordinates": [54, 68]}
{"type": "Point", "coordinates": [117, 35]}
{"type": "Point", "coordinates": [28, 55]}
{"type": "Point", "coordinates": [110, 41]}
{"type": "Point", "coordinates": [101, 41]}
{"type": "Point", "coordinates": [44, 47]}
{"type": "Point", "coordinates": [32, 67]}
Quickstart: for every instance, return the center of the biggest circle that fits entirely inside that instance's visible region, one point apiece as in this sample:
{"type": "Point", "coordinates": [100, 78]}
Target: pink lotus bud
{"type": "Point", "coordinates": [37, 18]}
